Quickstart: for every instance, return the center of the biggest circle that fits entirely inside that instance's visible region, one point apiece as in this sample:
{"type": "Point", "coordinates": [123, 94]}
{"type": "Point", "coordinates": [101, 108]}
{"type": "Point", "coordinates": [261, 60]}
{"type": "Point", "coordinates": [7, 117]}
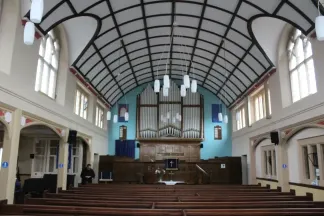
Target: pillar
{"type": "Point", "coordinates": [10, 155]}
{"type": "Point", "coordinates": [252, 169]}
{"type": "Point", "coordinates": [63, 162]}
{"type": "Point", "coordinates": [282, 171]}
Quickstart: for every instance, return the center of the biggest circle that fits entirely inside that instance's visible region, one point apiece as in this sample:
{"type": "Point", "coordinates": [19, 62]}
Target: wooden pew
{"type": "Point", "coordinates": [176, 205]}
{"type": "Point", "coordinates": [72, 210]}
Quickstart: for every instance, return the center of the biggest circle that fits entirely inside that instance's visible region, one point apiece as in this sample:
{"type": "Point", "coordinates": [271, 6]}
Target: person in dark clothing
{"type": "Point", "coordinates": [87, 175]}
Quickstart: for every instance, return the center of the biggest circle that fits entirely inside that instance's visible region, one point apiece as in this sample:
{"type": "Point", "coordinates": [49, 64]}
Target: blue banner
{"type": "Point", "coordinates": [125, 148]}
{"type": "Point", "coordinates": [216, 108]}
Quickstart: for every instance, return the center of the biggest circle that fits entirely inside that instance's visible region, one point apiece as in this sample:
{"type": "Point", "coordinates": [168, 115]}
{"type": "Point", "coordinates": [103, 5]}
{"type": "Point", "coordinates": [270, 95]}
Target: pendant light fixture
{"type": "Point", "coordinates": [186, 81]}
{"type": "Point", "coordinates": [115, 118]}
{"type": "Point", "coordinates": [193, 86]}
{"type": "Point", "coordinates": [126, 116]}
{"type": "Point", "coordinates": [36, 11]}
{"type": "Point", "coordinates": [165, 91]}
{"type": "Point", "coordinates": [319, 24]}
{"type": "Point", "coordinates": [157, 86]}
{"type": "Point", "coordinates": [29, 33]}
{"type": "Point", "coordinates": [183, 91]}
{"type": "Point", "coordinates": [166, 81]}
{"type": "Point", "coordinates": [226, 119]}
{"type": "Point", "coordinates": [108, 115]}
{"type": "Point", "coordinates": [220, 116]}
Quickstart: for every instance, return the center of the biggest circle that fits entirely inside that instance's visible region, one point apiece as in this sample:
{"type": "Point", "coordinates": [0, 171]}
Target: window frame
{"type": "Point", "coordinates": [51, 64]}
{"type": "Point", "coordinates": [78, 107]}
{"type": "Point", "coordinates": [99, 121]}
{"type": "Point", "coordinates": [269, 171]}
{"type": "Point", "coordinates": [242, 121]}
{"type": "Point", "coordinates": [295, 37]}
{"type": "Point", "coordinates": [259, 93]}
{"type": "Point", "coordinates": [309, 144]}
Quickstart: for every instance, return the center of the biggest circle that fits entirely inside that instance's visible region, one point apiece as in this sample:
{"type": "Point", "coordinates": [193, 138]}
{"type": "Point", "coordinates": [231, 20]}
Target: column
{"type": "Point", "coordinates": [267, 104]}
{"type": "Point", "coordinates": [252, 168]}
{"type": "Point", "coordinates": [63, 162]}
{"type": "Point", "coordinates": [282, 171]}
{"type": "Point", "coordinates": [10, 155]}
{"type": "Point", "coordinates": [320, 149]}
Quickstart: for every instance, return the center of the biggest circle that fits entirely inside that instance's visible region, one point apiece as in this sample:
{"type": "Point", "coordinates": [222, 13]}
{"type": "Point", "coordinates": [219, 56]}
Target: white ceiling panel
{"type": "Point", "coordinates": [237, 82]}
{"type": "Point", "coordinates": [247, 11]}
{"type": "Point", "coordinates": [79, 5]}
{"type": "Point", "coordinates": [241, 26]}
{"type": "Point", "coordinates": [268, 6]}
{"type": "Point", "coordinates": [228, 5]}
{"type": "Point", "coordinates": [90, 51]}
{"type": "Point", "coordinates": [187, 21]}
{"type": "Point", "coordinates": [131, 27]}
{"type": "Point", "coordinates": [158, 21]}
{"type": "Point", "coordinates": [243, 68]}
{"type": "Point", "coordinates": [188, 8]}
{"type": "Point", "coordinates": [128, 15]}
{"type": "Point", "coordinates": [254, 64]}
{"type": "Point", "coordinates": [100, 10]}
{"type": "Point", "coordinates": [104, 39]}
{"type": "Point", "coordinates": [213, 27]}
{"type": "Point", "coordinates": [158, 8]}
{"type": "Point", "coordinates": [218, 15]}
{"type": "Point", "coordinates": [242, 78]}
{"type": "Point", "coordinates": [118, 5]}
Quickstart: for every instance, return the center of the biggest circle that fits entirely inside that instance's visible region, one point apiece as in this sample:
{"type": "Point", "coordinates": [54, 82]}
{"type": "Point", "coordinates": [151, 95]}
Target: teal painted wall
{"type": "Point", "coordinates": [212, 148]}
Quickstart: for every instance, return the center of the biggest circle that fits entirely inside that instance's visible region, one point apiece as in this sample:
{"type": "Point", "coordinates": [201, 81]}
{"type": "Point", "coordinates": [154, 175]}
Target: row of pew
{"type": "Point", "coordinates": [158, 200]}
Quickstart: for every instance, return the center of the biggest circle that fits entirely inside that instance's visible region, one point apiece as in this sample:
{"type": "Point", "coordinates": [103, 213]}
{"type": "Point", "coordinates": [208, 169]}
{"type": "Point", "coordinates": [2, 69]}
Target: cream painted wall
{"type": "Point", "coordinates": [290, 114]}
{"type": "Point", "coordinates": [17, 80]}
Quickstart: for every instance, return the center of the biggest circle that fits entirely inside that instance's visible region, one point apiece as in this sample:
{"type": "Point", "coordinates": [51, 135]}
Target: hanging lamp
{"type": "Point", "coordinates": [157, 86]}
{"type": "Point", "coordinates": [183, 91]}
{"type": "Point", "coordinates": [220, 116]}
{"type": "Point", "coordinates": [186, 81]}
{"type": "Point", "coordinates": [115, 118]}
{"type": "Point", "coordinates": [319, 24]}
{"type": "Point", "coordinates": [29, 33]}
{"type": "Point", "coordinates": [194, 86]}
{"type": "Point", "coordinates": [165, 91]}
{"type": "Point", "coordinates": [225, 119]}
{"type": "Point", "coordinates": [36, 11]}
{"type": "Point", "coordinates": [126, 116]}
{"type": "Point", "coordinates": [108, 115]}
{"type": "Point", "coordinates": [166, 81]}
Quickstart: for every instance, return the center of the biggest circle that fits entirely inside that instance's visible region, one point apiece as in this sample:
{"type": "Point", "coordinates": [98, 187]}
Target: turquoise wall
{"type": "Point", "coordinates": [212, 148]}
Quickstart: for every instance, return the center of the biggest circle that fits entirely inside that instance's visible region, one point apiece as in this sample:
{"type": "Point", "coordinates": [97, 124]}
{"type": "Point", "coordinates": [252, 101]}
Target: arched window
{"type": "Point", "coordinates": [301, 66]}
{"type": "Point", "coordinates": [47, 68]}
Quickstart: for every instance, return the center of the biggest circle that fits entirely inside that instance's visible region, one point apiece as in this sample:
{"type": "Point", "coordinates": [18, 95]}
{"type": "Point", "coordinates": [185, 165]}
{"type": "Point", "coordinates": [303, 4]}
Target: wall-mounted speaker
{"type": "Point", "coordinates": [274, 135]}
{"type": "Point", "coordinates": [138, 145]}
{"type": "Point", "coordinates": [201, 145]}
{"type": "Point", "coordinates": [72, 137]}
{"type": "Point", "coordinates": [32, 156]}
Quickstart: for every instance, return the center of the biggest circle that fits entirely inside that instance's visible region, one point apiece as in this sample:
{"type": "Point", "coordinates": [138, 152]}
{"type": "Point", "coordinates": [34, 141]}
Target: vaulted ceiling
{"type": "Point", "coordinates": [145, 27]}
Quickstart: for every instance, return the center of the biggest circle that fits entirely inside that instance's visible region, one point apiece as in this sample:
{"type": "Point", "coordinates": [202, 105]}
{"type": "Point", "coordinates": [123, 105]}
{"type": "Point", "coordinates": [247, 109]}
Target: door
{"type": "Point", "coordinates": [245, 172]}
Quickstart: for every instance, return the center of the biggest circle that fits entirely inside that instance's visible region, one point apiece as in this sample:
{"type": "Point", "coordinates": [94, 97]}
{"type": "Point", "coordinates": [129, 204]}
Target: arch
{"type": "Point", "coordinates": [296, 130]}
{"type": "Point", "coordinates": [42, 124]}
{"type": "Point", "coordinates": [87, 141]}
{"type": "Point", "coordinates": [258, 141]}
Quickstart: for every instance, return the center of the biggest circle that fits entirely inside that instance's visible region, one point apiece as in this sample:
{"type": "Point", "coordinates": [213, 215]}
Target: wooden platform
{"type": "Point", "coordinates": [158, 200]}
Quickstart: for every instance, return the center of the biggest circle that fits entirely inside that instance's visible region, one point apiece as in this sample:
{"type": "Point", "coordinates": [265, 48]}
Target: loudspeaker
{"type": "Point", "coordinates": [138, 145]}
{"type": "Point", "coordinates": [201, 145]}
{"type": "Point", "coordinates": [274, 135]}
{"type": "Point", "coordinates": [32, 156]}
{"type": "Point", "coordinates": [72, 137]}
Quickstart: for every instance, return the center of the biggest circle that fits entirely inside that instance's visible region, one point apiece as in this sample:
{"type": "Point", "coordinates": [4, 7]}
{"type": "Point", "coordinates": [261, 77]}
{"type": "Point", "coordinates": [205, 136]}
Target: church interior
{"type": "Point", "coordinates": [161, 107]}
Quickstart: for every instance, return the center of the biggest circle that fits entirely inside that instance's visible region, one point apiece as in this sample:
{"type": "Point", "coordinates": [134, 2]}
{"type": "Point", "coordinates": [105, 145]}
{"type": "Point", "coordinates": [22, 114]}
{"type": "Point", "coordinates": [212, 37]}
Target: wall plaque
{"type": "Point", "coordinates": [217, 132]}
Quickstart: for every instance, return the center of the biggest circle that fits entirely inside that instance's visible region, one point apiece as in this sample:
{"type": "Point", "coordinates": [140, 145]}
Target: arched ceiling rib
{"type": "Point", "coordinates": [145, 26]}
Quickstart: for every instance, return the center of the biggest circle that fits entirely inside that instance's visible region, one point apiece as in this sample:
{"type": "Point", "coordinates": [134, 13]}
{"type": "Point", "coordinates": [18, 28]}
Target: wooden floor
{"type": "Point", "coordinates": [158, 200]}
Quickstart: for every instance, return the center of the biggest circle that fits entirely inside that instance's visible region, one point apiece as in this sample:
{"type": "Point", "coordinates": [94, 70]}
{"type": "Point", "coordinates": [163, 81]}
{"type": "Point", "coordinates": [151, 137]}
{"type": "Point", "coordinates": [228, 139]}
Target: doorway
{"type": "Point", "coordinates": [245, 172]}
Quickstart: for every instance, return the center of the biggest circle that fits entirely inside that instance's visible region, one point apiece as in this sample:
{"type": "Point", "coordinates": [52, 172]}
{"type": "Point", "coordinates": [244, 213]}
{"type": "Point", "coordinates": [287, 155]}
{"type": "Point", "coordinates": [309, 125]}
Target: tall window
{"type": "Point", "coordinates": [99, 116]}
{"type": "Point", "coordinates": [269, 161]}
{"type": "Point", "coordinates": [45, 156]}
{"type": "Point", "coordinates": [301, 66]}
{"type": "Point", "coordinates": [240, 118]}
{"type": "Point", "coordinates": [259, 105]}
{"type": "Point", "coordinates": [81, 103]}
{"type": "Point", "coordinates": [47, 67]}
